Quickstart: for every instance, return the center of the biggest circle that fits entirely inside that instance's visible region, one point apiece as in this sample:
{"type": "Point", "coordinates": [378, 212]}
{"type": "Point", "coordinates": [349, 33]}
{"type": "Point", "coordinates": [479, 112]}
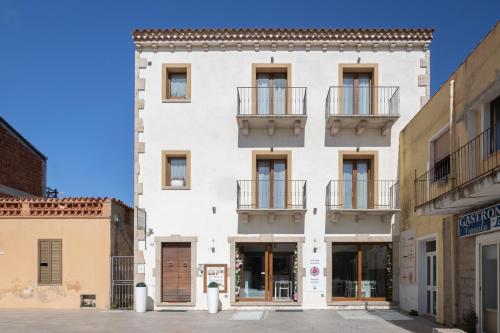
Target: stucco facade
{"type": "Point", "coordinates": [222, 151]}
{"type": "Point", "coordinates": [434, 195]}
{"type": "Point", "coordinates": [90, 234]}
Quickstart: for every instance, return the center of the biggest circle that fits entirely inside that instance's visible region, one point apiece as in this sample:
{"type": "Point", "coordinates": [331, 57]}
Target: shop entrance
{"type": "Point", "coordinates": [267, 271]}
{"type": "Point", "coordinates": [488, 287]}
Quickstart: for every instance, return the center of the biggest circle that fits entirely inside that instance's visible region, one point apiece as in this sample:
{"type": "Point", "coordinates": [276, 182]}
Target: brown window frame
{"type": "Point", "coordinates": [271, 181]}
{"type": "Point", "coordinates": [50, 281]}
{"type": "Point", "coordinates": [166, 156]}
{"type": "Point", "coordinates": [371, 69]}
{"type": "Point", "coordinates": [284, 68]}
{"type": "Point", "coordinates": [370, 181]}
{"type": "Point", "coordinates": [167, 70]}
{"type": "Point", "coordinates": [360, 274]}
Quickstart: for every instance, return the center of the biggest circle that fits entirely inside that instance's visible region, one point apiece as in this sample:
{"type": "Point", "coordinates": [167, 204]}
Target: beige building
{"type": "Point", "coordinates": [450, 196]}
{"type": "Point", "coordinates": [65, 253]}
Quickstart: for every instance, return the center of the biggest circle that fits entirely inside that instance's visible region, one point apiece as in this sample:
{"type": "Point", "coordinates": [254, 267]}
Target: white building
{"type": "Point", "coordinates": [242, 136]}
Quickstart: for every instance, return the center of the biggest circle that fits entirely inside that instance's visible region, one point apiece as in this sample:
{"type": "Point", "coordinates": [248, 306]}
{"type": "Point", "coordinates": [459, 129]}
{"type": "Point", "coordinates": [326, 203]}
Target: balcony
{"type": "Point", "coordinates": [271, 198]}
{"type": "Point", "coordinates": [469, 178]}
{"type": "Point", "coordinates": [362, 198]}
{"type": "Point", "coordinates": [272, 108]}
{"type": "Point", "coordinates": [362, 108]}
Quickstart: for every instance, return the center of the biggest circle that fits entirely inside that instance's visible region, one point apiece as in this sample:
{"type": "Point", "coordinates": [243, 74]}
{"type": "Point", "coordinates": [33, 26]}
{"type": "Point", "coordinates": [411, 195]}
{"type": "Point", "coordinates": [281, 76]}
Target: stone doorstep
{"type": "Point", "coordinates": [447, 330]}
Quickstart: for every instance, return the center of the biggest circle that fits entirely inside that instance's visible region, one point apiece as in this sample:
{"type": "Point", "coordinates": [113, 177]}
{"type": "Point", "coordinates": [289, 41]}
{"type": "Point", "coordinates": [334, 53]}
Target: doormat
{"type": "Point", "coordinates": [247, 315]}
{"type": "Point", "coordinates": [288, 310]}
{"type": "Point", "coordinates": [172, 311]}
{"type": "Point", "coordinates": [390, 315]}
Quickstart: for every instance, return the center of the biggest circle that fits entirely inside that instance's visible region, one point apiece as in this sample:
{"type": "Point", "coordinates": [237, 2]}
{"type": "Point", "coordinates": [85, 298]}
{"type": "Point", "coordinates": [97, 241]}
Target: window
{"type": "Point", "coordinates": [271, 183]}
{"type": "Point", "coordinates": [442, 165]}
{"type": "Point", "coordinates": [271, 88]}
{"type": "Point", "coordinates": [357, 184]}
{"type": "Point", "coordinates": [364, 265]}
{"type": "Point", "coordinates": [358, 93]}
{"type": "Point", "coordinates": [50, 261]}
{"type": "Point", "coordinates": [176, 83]}
{"type": "Point", "coordinates": [176, 169]}
{"type": "Point", "coordinates": [495, 125]}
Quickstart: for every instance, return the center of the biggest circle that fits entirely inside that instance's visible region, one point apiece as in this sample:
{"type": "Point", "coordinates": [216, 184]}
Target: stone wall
{"type": "Point", "coordinates": [465, 276]}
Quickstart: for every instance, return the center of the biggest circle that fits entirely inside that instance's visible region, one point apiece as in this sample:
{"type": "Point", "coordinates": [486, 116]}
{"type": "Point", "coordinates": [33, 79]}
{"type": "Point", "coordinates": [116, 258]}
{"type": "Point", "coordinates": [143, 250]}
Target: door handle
{"type": "Point", "coordinates": [185, 264]}
{"type": "Point", "coordinates": [170, 264]}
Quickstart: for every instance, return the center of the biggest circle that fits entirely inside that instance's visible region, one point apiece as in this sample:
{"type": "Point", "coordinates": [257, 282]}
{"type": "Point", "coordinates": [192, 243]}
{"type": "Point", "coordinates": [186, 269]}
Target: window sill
{"type": "Point", "coordinates": [176, 187]}
{"type": "Point", "coordinates": [176, 100]}
{"type": "Point", "coordinates": [49, 285]}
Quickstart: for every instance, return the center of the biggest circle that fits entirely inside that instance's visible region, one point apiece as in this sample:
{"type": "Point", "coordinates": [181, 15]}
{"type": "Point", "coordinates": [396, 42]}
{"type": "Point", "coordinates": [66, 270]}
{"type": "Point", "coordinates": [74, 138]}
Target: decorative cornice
{"type": "Point", "coordinates": [282, 35]}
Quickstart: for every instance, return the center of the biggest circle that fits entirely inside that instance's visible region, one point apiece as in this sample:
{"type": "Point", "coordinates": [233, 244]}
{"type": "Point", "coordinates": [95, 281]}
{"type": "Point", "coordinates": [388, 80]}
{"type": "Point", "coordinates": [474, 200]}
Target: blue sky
{"type": "Point", "coordinates": [66, 78]}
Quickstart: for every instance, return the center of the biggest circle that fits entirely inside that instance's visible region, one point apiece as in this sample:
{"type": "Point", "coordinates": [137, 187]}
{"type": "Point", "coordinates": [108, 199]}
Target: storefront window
{"type": "Point", "coordinates": [364, 265]}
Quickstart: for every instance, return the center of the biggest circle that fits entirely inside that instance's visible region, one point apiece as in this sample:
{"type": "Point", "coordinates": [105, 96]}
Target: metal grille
{"type": "Point", "coordinates": [122, 282]}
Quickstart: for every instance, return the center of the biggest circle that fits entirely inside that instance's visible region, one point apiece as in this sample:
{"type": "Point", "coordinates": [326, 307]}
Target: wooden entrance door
{"type": "Point", "coordinates": [176, 272]}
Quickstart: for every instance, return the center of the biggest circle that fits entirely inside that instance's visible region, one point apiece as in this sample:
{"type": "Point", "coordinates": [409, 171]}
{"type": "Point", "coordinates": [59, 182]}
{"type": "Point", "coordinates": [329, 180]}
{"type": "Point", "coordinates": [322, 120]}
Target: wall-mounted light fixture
{"type": "Point", "coordinates": [272, 60]}
{"type": "Point", "coordinates": [359, 60]}
{"type": "Point", "coordinates": [150, 232]}
{"type": "Point", "coordinates": [315, 210]}
{"type": "Point", "coordinates": [214, 210]}
{"type": "Point", "coordinates": [357, 149]}
{"type": "Point", "coordinates": [315, 246]}
{"type": "Point", "coordinates": [212, 248]}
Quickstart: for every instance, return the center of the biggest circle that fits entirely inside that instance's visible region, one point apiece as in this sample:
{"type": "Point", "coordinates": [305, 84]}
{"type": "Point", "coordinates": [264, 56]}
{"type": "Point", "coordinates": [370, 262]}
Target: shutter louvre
{"type": "Point", "coordinates": [56, 261]}
{"type": "Point", "coordinates": [50, 261]}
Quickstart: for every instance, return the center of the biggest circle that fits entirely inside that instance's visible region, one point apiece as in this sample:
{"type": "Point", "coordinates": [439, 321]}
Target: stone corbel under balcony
{"type": "Point", "coordinates": [297, 215]}
{"type": "Point", "coordinates": [360, 215]}
{"type": "Point", "coordinates": [338, 122]}
{"type": "Point", "coordinates": [271, 122]}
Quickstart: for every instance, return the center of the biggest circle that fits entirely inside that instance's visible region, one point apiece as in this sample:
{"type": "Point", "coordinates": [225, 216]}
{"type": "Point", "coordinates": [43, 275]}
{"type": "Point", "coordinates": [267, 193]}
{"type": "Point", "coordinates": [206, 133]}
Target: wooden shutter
{"type": "Point", "coordinates": [56, 261]}
{"type": "Point", "coordinates": [50, 261]}
{"type": "Point", "coordinates": [442, 146]}
{"type": "Point", "coordinates": [44, 261]}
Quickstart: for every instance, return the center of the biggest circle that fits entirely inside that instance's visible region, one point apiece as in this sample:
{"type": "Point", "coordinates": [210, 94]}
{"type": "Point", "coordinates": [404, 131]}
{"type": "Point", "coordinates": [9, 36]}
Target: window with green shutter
{"type": "Point", "coordinates": [49, 261]}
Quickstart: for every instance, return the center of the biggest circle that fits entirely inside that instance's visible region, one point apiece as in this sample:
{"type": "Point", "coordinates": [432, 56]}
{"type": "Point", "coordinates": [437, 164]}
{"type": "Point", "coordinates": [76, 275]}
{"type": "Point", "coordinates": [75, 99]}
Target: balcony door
{"type": "Point", "coordinates": [357, 94]}
{"type": "Point", "coordinates": [271, 183]}
{"type": "Point", "coordinates": [271, 93]}
{"type": "Point", "coordinates": [357, 184]}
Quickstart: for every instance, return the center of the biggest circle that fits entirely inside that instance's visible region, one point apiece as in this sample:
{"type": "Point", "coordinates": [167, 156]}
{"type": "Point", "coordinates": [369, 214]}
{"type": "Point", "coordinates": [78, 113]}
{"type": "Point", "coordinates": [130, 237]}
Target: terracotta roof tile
{"type": "Point", "coordinates": [325, 35]}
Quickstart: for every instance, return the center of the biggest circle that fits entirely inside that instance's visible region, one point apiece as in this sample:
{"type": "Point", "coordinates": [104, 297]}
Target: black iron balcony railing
{"type": "Point", "coordinates": [362, 101]}
{"type": "Point", "coordinates": [362, 194]}
{"type": "Point", "coordinates": [268, 101]}
{"type": "Point", "coordinates": [475, 159]}
{"type": "Point", "coordinates": [276, 194]}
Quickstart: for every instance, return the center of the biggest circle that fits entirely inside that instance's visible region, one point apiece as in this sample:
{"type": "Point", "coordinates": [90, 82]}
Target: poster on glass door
{"type": "Point", "coordinates": [314, 275]}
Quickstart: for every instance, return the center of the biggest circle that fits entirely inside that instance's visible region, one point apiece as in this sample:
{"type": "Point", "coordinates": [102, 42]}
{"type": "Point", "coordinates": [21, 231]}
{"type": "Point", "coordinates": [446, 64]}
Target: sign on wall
{"type": "Point", "coordinates": [314, 275]}
{"type": "Point", "coordinates": [215, 273]}
{"type": "Point", "coordinates": [407, 257]}
{"type": "Point", "coordinates": [484, 220]}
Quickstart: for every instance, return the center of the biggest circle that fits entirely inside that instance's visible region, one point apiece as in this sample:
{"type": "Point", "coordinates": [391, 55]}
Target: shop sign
{"type": "Point", "coordinates": [314, 274]}
{"type": "Point", "coordinates": [215, 273]}
{"type": "Point", "coordinates": [484, 220]}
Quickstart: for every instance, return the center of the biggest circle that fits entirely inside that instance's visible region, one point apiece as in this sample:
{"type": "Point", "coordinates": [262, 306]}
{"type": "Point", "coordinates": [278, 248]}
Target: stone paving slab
{"type": "Point", "coordinates": [254, 321]}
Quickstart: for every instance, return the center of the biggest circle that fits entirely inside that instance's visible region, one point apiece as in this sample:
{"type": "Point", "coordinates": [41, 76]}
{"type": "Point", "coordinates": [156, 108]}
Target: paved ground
{"type": "Point", "coordinates": [255, 321]}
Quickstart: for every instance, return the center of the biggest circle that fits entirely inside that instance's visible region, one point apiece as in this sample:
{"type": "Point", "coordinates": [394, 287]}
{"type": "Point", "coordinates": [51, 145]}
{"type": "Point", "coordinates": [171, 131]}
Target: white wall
{"type": "Point", "coordinates": [220, 155]}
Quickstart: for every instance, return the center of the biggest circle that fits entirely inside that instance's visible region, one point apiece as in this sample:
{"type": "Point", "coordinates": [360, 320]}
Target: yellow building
{"type": "Point", "coordinates": [65, 253]}
{"type": "Point", "coordinates": [450, 189]}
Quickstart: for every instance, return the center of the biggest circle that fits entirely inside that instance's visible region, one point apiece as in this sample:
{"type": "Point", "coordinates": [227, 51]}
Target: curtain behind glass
{"type": "Point", "coordinates": [374, 270]}
{"type": "Point", "coordinates": [279, 193]}
{"type": "Point", "coordinates": [279, 106]}
{"type": "Point", "coordinates": [178, 168]}
{"type": "Point", "coordinates": [263, 183]}
{"type": "Point", "coordinates": [345, 270]}
{"type": "Point", "coordinates": [362, 184]}
{"type": "Point", "coordinates": [347, 185]}
{"type": "Point", "coordinates": [364, 94]}
{"type": "Point", "coordinates": [263, 93]}
{"type": "Point", "coordinates": [178, 85]}
{"type": "Point", "coordinates": [348, 94]}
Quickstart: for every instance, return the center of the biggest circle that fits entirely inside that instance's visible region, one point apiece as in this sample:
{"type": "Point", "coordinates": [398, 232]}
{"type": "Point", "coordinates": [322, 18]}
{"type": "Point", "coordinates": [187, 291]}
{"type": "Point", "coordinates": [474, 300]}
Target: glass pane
{"type": "Point", "coordinates": [177, 171]}
{"type": "Point", "coordinates": [178, 85]}
{"type": "Point", "coordinates": [434, 270]}
{"type": "Point", "coordinates": [428, 271]}
{"type": "Point", "coordinates": [345, 271]}
{"type": "Point", "coordinates": [428, 301]}
{"type": "Point", "coordinates": [253, 275]}
{"type": "Point", "coordinates": [434, 303]}
{"type": "Point", "coordinates": [430, 246]}
{"type": "Point", "coordinates": [374, 270]}
{"type": "Point", "coordinates": [364, 94]}
{"type": "Point", "coordinates": [489, 285]}
{"type": "Point", "coordinates": [279, 92]}
{"type": "Point", "coordinates": [348, 94]}
{"type": "Point", "coordinates": [279, 193]}
{"type": "Point", "coordinates": [263, 183]}
{"type": "Point", "coordinates": [283, 274]}
{"type": "Point", "coordinates": [263, 93]}
{"type": "Point", "coordinates": [347, 185]}
{"type": "Point", "coordinates": [362, 184]}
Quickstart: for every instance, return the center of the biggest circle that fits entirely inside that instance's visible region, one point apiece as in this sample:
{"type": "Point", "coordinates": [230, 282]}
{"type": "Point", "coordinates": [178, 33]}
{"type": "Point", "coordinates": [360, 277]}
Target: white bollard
{"type": "Point", "coordinates": [141, 297]}
{"type": "Point", "coordinates": [213, 299]}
